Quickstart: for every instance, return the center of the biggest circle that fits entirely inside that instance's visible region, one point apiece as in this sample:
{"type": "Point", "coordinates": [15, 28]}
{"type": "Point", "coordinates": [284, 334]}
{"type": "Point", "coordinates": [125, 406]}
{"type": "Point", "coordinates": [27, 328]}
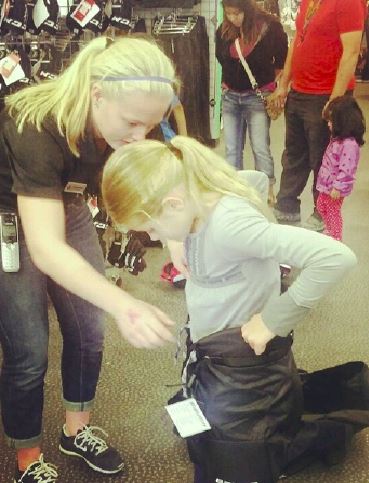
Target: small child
{"type": "Point", "coordinates": [243, 374]}
{"type": "Point", "coordinates": [337, 173]}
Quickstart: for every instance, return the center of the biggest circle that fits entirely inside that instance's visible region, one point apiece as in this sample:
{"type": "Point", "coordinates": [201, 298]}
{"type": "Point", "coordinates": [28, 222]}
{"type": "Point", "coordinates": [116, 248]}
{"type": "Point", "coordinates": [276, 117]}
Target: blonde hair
{"type": "Point", "coordinates": [67, 98]}
{"type": "Point", "coordinates": [138, 177]}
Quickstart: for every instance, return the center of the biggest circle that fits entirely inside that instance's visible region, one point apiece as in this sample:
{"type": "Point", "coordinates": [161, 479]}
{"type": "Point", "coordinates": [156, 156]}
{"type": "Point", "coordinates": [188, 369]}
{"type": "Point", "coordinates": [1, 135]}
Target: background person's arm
{"type": "Point", "coordinates": [43, 222]}
{"type": "Point", "coordinates": [350, 18]}
{"type": "Point", "coordinates": [284, 80]}
{"type": "Point", "coordinates": [351, 42]}
{"type": "Point", "coordinates": [279, 41]}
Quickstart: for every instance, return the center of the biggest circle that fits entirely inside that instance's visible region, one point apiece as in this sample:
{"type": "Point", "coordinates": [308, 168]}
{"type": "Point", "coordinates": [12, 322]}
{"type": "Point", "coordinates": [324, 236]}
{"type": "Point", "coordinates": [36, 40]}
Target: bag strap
{"type": "Point", "coordinates": [245, 65]}
{"type": "Point", "coordinates": [248, 71]}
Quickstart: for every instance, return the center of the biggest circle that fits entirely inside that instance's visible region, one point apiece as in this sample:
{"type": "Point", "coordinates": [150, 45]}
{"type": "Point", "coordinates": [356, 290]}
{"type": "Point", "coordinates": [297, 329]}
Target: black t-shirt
{"type": "Point", "coordinates": [34, 163]}
{"type": "Point", "coordinates": [268, 54]}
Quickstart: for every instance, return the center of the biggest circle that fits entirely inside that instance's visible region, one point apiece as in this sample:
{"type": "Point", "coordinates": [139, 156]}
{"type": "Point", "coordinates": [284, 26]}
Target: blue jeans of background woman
{"type": "Point", "coordinates": [24, 332]}
{"type": "Point", "coordinates": [242, 112]}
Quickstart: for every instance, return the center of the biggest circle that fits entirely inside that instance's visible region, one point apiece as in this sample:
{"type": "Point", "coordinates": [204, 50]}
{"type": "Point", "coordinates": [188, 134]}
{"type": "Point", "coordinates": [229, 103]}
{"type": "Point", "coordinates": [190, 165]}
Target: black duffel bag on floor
{"type": "Point", "coordinates": [261, 426]}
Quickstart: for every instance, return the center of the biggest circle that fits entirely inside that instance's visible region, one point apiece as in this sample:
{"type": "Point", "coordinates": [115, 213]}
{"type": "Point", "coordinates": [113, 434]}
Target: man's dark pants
{"type": "Point", "coordinates": [307, 136]}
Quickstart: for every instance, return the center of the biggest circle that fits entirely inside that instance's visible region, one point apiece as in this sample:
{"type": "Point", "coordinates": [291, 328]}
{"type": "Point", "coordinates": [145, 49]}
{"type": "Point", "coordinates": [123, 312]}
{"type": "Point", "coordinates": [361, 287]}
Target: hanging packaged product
{"type": "Point", "coordinates": [85, 11]}
{"type": "Point", "coordinates": [73, 26]}
{"type": "Point", "coordinates": [31, 27]}
{"type": "Point", "coordinates": [100, 22]}
{"type": "Point", "coordinates": [14, 17]}
{"type": "Point", "coordinates": [165, 3]}
{"type": "Point", "coordinates": [121, 15]}
{"type": "Point", "coordinates": [4, 10]}
{"type": "Point", "coordinates": [50, 24]}
{"type": "Point", "coordinates": [10, 68]}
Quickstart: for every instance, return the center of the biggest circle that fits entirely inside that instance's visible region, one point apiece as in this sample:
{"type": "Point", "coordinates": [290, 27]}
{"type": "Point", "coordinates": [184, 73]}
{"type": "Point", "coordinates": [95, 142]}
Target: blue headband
{"type": "Point", "coordinates": [128, 78]}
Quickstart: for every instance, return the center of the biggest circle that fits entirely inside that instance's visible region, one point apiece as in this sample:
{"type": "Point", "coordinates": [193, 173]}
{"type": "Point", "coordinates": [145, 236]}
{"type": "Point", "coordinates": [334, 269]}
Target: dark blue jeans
{"type": "Point", "coordinates": [307, 136]}
{"type": "Point", "coordinates": [24, 332]}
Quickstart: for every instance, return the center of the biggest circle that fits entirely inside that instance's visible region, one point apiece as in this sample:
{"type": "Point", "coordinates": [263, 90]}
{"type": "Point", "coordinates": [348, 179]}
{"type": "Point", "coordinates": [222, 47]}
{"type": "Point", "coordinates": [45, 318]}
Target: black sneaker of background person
{"type": "Point", "coordinates": [92, 449]}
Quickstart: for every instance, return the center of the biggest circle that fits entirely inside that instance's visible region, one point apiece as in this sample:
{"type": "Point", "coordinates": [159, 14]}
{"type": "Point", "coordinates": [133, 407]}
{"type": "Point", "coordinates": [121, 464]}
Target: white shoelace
{"type": "Point", "coordinates": [86, 437]}
{"type": "Point", "coordinates": [43, 472]}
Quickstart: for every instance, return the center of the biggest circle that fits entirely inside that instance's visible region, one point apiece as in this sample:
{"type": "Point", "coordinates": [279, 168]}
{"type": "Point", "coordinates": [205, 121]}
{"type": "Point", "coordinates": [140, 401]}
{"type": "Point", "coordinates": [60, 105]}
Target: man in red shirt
{"type": "Point", "coordinates": [320, 66]}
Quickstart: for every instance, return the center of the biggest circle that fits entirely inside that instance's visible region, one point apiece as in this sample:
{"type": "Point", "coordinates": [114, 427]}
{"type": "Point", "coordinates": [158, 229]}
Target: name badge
{"type": "Point", "coordinates": [73, 187]}
{"type": "Point", "coordinates": [188, 417]}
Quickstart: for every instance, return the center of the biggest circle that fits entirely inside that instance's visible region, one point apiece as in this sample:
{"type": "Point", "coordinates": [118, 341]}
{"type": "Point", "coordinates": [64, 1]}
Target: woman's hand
{"type": "Point", "coordinates": [280, 96]}
{"type": "Point", "coordinates": [144, 326]}
{"type": "Point", "coordinates": [335, 194]}
{"type": "Point", "coordinates": [256, 334]}
{"type": "Point", "coordinates": [44, 226]}
{"type": "Point", "coordinates": [177, 254]}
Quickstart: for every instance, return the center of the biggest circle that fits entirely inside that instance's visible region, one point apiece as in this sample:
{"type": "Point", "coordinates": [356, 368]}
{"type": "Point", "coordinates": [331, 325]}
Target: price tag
{"type": "Point", "coordinates": [10, 69]}
{"type": "Point", "coordinates": [188, 417]}
{"type": "Point", "coordinates": [85, 12]}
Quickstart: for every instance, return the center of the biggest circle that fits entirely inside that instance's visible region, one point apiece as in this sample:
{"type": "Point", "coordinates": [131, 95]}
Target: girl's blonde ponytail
{"type": "Point", "coordinates": [137, 178]}
{"type": "Point", "coordinates": [204, 171]}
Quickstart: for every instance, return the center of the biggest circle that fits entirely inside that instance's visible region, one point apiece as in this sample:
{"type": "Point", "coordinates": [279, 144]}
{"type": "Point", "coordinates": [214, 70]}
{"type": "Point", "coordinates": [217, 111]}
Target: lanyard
{"type": "Point", "coordinates": [312, 9]}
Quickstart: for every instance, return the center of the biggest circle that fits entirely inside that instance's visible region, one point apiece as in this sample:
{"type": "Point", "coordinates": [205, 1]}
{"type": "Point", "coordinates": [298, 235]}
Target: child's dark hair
{"type": "Point", "coordinates": [347, 119]}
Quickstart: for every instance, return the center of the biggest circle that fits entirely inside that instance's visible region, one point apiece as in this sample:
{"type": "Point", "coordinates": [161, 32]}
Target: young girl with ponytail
{"type": "Point", "coordinates": [240, 370]}
{"type": "Point", "coordinates": [54, 140]}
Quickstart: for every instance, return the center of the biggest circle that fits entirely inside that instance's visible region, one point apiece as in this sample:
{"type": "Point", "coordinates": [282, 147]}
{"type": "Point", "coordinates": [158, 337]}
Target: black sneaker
{"type": "Point", "coordinates": [37, 472]}
{"type": "Point", "coordinates": [94, 450]}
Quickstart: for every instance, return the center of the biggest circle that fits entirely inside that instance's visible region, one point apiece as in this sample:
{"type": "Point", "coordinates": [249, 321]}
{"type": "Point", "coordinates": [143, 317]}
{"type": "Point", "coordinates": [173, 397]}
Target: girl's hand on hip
{"type": "Point", "coordinates": [256, 334]}
{"type": "Point", "coordinates": [144, 326]}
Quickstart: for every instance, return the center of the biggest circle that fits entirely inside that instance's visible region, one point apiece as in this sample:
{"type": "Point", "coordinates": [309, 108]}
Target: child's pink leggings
{"type": "Point", "coordinates": [330, 211]}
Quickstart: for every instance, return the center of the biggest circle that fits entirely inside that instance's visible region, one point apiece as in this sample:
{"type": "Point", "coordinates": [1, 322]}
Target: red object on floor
{"type": "Point", "coordinates": [170, 274]}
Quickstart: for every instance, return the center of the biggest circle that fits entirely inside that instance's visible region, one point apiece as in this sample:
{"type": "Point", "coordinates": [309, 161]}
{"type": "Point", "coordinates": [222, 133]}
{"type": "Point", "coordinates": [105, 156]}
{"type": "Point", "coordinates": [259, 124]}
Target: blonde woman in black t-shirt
{"type": "Point", "coordinates": [54, 140]}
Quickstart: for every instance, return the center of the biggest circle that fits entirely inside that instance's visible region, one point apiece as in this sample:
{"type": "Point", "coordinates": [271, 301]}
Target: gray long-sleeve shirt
{"type": "Point", "coordinates": [234, 265]}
